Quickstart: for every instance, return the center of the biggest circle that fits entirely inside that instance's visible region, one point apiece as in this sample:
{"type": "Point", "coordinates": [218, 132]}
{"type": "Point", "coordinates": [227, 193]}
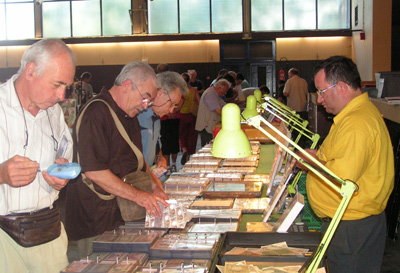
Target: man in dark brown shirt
{"type": "Point", "coordinates": [105, 157]}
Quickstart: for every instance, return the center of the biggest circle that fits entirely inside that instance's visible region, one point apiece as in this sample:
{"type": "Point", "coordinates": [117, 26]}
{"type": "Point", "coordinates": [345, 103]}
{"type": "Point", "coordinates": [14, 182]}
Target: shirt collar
{"type": "Point", "coordinates": [14, 102]}
{"type": "Point", "coordinates": [354, 103]}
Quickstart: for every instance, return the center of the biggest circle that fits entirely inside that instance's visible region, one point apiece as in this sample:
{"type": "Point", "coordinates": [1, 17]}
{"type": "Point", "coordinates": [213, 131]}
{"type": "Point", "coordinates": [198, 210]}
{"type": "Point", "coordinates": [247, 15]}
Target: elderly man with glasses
{"type": "Point", "coordinates": [31, 126]}
{"type": "Point", "coordinates": [106, 157]}
{"type": "Point", "coordinates": [168, 100]}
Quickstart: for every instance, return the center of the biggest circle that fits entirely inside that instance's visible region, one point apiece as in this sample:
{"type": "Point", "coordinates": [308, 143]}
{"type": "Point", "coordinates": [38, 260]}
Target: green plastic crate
{"type": "Point", "coordinates": [301, 184]}
{"type": "Point", "coordinates": [308, 216]}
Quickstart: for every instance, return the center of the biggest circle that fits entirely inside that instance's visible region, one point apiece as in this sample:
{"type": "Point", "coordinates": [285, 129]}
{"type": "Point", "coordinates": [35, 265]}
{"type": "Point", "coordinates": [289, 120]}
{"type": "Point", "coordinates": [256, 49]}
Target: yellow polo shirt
{"type": "Point", "coordinates": [185, 109]}
{"type": "Point", "coordinates": [357, 148]}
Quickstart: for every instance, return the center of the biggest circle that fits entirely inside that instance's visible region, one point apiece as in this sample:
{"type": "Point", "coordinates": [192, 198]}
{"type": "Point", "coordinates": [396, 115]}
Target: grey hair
{"type": "Point", "coordinates": [41, 52]}
{"type": "Point", "coordinates": [172, 80]}
{"type": "Point", "coordinates": [136, 72]}
{"type": "Point", "coordinates": [223, 83]}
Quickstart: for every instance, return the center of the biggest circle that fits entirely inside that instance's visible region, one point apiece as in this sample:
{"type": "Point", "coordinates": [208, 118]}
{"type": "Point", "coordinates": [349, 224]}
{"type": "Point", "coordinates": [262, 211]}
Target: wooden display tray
{"type": "Point", "coordinates": [233, 189]}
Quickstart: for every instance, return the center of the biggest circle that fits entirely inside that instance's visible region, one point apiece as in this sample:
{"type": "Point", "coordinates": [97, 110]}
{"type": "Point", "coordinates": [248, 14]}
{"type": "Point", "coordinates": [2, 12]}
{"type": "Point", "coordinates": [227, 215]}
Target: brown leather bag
{"type": "Point", "coordinates": [32, 229]}
{"type": "Point", "coordinates": [130, 211]}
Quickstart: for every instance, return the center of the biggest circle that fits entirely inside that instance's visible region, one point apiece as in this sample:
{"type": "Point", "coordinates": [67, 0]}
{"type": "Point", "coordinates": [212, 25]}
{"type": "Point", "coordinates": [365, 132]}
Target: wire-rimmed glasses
{"type": "Point", "coordinates": [320, 93]}
{"type": "Point", "coordinates": [146, 98]}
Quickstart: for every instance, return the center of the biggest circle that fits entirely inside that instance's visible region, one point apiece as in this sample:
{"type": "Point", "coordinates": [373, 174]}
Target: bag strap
{"type": "Point", "coordinates": [123, 133]}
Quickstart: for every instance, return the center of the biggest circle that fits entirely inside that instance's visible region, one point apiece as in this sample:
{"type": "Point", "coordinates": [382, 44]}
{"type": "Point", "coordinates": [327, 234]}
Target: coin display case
{"type": "Point", "coordinates": [126, 240]}
{"type": "Point", "coordinates": [181, 246]}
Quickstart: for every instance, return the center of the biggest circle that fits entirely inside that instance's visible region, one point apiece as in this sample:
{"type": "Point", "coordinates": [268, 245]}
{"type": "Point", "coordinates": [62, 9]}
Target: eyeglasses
{"type": "Point", "coordinates": [320, 93]}
{"type": "Point", "coordinates": [169, 100]}
{"type": "Point", "coordinates": [52, 133]}
{"type": "Point", "coordinates": [26, 129]}
{"type": "Point", "coordinates": [146, 98]}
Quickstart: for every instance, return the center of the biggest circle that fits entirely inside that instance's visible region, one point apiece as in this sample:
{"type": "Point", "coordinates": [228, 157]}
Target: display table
{"type": "Point", "coordinates": [266, 159]}
{"type": "Point", "coordinates": [389, 111]}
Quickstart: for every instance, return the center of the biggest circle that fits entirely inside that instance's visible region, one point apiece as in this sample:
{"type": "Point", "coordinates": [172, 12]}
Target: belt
{"type": "Point", "coordinates": [32, 212]}
{"type": "Point", "coordinates": [326, 219]}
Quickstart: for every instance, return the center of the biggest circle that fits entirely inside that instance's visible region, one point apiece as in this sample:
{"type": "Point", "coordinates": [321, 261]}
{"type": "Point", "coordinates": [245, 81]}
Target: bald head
{"type": "Point", "coordinates": [42, 52]}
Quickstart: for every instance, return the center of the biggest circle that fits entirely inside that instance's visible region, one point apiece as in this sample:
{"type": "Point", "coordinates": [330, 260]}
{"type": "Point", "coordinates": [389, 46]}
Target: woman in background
{"type": "Point", "coordinates": [187, 132]}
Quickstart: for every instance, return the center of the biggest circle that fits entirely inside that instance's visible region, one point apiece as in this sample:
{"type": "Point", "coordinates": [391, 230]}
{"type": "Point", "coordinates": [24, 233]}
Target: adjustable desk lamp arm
{"type": "Point", "coordinates": [302, 131]}
{"type": "Point", "coordinates": [346, 191]}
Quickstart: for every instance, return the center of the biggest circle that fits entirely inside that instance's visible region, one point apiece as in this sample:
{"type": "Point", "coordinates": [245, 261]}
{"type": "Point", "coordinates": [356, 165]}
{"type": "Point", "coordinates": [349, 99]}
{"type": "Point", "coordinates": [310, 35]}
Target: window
{"type": "Point", "coordinates": [194, 16]}
{"type": "Point", "coordinates": [74, 18]}
{"type": "Point", "coordinates": [86, 18]}
{"type": "Point", "coordinates": [333, 14]}
{"type": "Point", "coordinates": [113, 9]}
{"type": "Point", "coordinates": [227, 15]}
{"type": "Point", "coordinates": [2, 21]}
{"type": "Point", "coordinates": [277, 15]}
{"type": "Point", "coordinates": [163, 16]}
{"type": "Point", "coordinates": [266, 17]}
{"type": "Point", "coordinates": [17, 19]}
{"type": "Point", "coordinates": [56, 14]}
{"type": "Point", "coordinates": [83, 18]}
{"type": "Point", "coordinates": [299, 15]}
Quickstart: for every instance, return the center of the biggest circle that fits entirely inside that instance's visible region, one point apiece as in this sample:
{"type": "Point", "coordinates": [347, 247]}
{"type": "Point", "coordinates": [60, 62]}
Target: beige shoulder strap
{"type": "Point", "coordinates": [123, 133]}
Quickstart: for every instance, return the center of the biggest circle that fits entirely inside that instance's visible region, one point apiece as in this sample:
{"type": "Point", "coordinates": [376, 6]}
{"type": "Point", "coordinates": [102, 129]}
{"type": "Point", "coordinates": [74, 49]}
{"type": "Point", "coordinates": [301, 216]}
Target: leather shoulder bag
{"type": "Point", "coordinates": [130, 211]}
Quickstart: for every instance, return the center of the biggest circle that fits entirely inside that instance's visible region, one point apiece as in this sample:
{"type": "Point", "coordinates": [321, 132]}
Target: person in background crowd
{"type": "Point", "coordinates": [106, 158]}
{"type": "Point", "coordinates": [244, 82]}
{"type": "Point", "coordinates": [230, 95]}
{"type": "Point", "coordinates": [170, 136]}
{"type": "Point", "coordinates": [32, 128]}
{"type": "Point", "coordinates": [187, 131]}
{"type": "Point", "coordinates": [296, 90]}
{"type": "Point", "coordinates": [221, 73]}
{"type": "Point", "coordinates": [163, 67]}
{"type": "Point", "coordinates": [264, 90]}
{"type": "Point", "coordinates": [358, 149]}
{"type": "Point", "coordinates": [195, 82]}
{"type": "Point", "coordinates": [238, 87]}
{"type": "Point", "coordinates": [279, 94]}
{"type": "Point", "coordinates": [210, 109]}
{"type": "Point", "coordinates": [86, 77]}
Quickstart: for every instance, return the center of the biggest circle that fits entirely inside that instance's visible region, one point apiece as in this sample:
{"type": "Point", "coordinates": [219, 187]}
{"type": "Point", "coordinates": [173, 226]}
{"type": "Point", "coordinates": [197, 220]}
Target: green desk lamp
{"type": "Point", "coordinates": [258, 95]}
{"type": "Point", "coordinates": [346, 190]}
{"type": "Point", "coordinates": [251, 108]}
{"type": "Point", "coordinates": [231, 141]}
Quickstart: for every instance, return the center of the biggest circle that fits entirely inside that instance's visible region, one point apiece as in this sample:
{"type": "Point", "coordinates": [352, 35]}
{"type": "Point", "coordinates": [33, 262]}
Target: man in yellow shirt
{"type": "Point", "coordinates": [358, 148]}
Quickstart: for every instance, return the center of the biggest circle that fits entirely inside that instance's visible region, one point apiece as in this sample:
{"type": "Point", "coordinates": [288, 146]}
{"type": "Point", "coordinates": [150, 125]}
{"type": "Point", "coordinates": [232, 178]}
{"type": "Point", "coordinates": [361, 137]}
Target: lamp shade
{"type": "Point", "coordinates": [258, 95]}
{"type": "Point", "coordinates": [231, 141]}
{"type": "Point", "coordinates": [251, 108]}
